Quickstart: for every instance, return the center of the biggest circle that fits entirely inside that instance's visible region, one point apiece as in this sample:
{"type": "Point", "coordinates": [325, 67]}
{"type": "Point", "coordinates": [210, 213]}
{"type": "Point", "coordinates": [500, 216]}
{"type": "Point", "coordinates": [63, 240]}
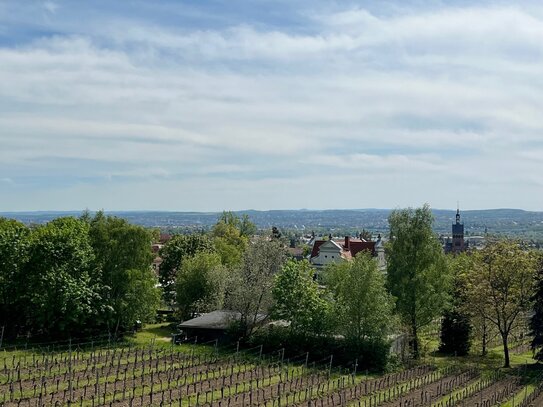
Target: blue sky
{"type": "Point", "coordinates": [211, 105]}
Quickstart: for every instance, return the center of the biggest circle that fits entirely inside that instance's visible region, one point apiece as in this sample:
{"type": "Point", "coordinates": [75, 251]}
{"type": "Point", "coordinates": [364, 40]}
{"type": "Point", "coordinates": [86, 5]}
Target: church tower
{"type": "Point", "coordinates": [458, 244]}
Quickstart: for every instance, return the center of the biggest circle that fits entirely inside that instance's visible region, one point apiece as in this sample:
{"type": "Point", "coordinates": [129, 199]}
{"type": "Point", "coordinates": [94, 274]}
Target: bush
{"type": "Point", "coordinates": [370, 355]}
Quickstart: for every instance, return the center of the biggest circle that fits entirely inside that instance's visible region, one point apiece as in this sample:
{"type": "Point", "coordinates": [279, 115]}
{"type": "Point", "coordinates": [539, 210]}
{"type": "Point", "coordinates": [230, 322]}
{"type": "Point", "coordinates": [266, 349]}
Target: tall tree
{"type": "Point", "coordinates": [297, 299]}
{"type": "Point", "coordinates": [123, 254]}
{"type": "Point", "coordinates": [501, 287]}
{"type": "Point", "coordinates": [456, 326]}
{"type": "Point", "coordinates": [417, 270]}
{"type": "Point", "coordinates": [536, 323]}
{"type": "Point", "coordinates": [200, 284]}
{"type": "Point", "coordinates": [363, 307]}
{"type": "Point", "coordinates": [174, 252]}
{"type": "Point", "coordinates": [250, 284]}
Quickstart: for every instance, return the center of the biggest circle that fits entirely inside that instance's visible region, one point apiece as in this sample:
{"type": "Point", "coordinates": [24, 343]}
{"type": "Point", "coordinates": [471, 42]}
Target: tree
{"type": "Point", "coordinates": [276, 233]}
{"type": "Point", "coordinates": [13, 256]}
{"type": "Point", "coordinates": [455, 333]}
{"type": "Point", "coordinates": [250, 284]}
{"type": "Point", "coordinates": [417, 271]}
{"type": "Point", "coordinates": [297, 299]}
{"type": "Point", "coordinates": [230, 235]}
{"type": "Point", "coordinates": [536, 323]}
{"type": "Point", "coordinates": [123, 254]}
{"type": "Point", "coordinates": [141, 299]}
{"type": "Point", "coordinates": [178, 248]}
{"type": "Point", "coordinates": [200, 284]}
{"type": "Point", "coordinates": [62, 291]}
{"type": "Point", "coordinates": [456, 324]}
{"type": "Point", "coordinates": [363, 307]}
{"type": "Point", "coordinates": [247, 228]}
{"type": "Point", "coordinates": [500, 287]}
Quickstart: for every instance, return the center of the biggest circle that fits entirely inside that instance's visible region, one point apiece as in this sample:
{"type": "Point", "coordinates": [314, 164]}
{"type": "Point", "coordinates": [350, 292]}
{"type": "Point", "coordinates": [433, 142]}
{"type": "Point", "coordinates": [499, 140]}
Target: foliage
{"type": "Point", "coordinates": [141, 298]}
{"type": "Point", "coordinates": [370, 355]}
{"type": "Point", "coordinates": [297, 299]}
{"type": "Point", "coordinates": [455, 333]}
{"type": "Point", "coordinates": [362, 306]}
{"type": "Point", "coordinates": [72, 277]}
{"type": "Point", "coordinates": [13, 254]}
{"type": "Point", "coordinates": [62, 290]}
{"type": "Point", "coordinates": [417, 270]}
{"type": "Point", "coordinates": [500, 286]}
{"type": "Point", "coordinates": [456, 324]}
{"type": "Point", "coordinates": [123, 254]}
{"type": "Point", "coordinates": [178, 248]}
{"type": "Point", "coordinates": [230, 235]}
{"type": "Point", "coordinates": [250, 284]}
{"type": "Point", "coordinates": [200, 284]}
{"type": "Point", "coordinates": [536, 322]}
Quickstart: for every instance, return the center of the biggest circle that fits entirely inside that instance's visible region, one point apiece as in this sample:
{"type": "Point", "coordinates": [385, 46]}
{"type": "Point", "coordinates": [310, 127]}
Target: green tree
{"type": "Point", "coordinates": [536, 323]}
{"type": "Point", "coordinates": [230, 237]}
{"type": "Point", "coordinates": [363, 307]}
{"type": "Point", "coordinates": [501, 285]}
{"type": "Point", "coordinates": [417, 270]}
{"type": "Point", "coordinates": [455, 333]}
{"type": "Point", "coordinates": [62, 292]}
{"type": "Point", "coordinates": [200, 284]}
{"type": "Point", "coordinates": [178, 248]}
{"type": "Point", "coordinates": [247, 228]}
{"type": "Point", "coordinates": [250, 284]}
{"type": "Point", "coordinates": [456, 326]}
{"type": "Point", "coordinates": [297, 299]}
{"type": "Point", "coordinates": [123, 254]}
{"type": "Point", "coordinates": [141, 299]}
{"type": "Point", "coordinates": [13, 256]}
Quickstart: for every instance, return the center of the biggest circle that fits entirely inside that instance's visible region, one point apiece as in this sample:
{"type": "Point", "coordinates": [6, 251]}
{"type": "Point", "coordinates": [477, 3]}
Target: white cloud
{"type": "Point", "coordinates": [440, 92]}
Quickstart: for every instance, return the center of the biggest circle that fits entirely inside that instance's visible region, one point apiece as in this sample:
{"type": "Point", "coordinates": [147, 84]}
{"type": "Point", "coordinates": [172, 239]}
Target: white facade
{"type": "Point", "coordinates": [329, 252]}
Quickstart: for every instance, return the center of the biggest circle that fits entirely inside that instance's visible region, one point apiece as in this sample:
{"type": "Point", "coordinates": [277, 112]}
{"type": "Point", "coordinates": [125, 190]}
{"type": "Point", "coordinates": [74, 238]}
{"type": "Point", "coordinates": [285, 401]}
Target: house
{"type": "Point", "coordinates": [213, 325]}
{"type": "Point", "coordinates": [332, 251]}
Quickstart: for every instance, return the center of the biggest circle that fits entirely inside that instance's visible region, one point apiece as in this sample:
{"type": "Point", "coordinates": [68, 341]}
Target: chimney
{"type": "Point", "coordinates": [347, 241]}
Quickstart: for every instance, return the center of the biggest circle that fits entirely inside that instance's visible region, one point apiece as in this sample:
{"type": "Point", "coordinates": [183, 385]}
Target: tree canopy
{"type": "Point", "coordinates": [200, 284]}
{"type": "Point", "coordinates": [417, 271]}
{"type": "Point", "coordinates": [500, 286]}
{"type": "Point", "coordinates": [363, 307]}
{"type": "Point", "coordinates": [297, 298]}
{"type": "Point", "coordinates": [174, 252]}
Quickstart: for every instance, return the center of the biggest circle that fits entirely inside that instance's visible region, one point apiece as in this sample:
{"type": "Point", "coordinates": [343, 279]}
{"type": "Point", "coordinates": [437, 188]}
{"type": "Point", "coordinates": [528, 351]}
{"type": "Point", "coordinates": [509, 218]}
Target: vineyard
{"type": "Point", "coordinates": [200, 375]}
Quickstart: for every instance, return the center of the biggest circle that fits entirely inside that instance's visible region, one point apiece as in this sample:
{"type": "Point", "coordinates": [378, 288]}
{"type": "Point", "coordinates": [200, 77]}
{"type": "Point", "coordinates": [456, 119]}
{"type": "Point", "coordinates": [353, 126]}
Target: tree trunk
{"type": "Point", "coordinates": [505, 338]}
{"type": "Point", "coordinates": [484, 339]}
{"type": "Point", "coordinates": [416, 351]}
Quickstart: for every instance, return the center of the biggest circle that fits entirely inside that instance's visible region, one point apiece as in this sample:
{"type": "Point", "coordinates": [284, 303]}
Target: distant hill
{"type": "Point", "coordinates": [514, 222]}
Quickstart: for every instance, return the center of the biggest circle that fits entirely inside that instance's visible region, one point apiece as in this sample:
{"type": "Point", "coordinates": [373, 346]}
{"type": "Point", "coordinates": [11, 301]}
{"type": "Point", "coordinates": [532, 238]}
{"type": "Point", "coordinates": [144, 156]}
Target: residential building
{"type": "Point", "coordinates": [332, 251]}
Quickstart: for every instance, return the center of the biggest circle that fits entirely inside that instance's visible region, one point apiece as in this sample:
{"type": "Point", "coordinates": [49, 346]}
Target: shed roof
{"type": "Point", "coordinates": [220, 319]}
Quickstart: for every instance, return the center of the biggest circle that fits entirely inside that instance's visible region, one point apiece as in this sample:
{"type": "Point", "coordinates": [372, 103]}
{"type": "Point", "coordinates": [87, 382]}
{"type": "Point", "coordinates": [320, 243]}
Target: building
{"type": "Point", "coordinates": [213, 325]}
{"type": "Point", "coordinates": [332, 251]}
{"type": "Point", "coordinates": [457, 243]}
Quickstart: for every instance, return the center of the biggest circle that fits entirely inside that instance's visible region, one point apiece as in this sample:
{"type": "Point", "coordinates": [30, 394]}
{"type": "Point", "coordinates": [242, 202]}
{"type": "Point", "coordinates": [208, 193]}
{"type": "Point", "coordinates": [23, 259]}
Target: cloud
{"type": "Point", "coordinates": [50, 7]}
{"type": "Point", "coordinates": [447, 93]}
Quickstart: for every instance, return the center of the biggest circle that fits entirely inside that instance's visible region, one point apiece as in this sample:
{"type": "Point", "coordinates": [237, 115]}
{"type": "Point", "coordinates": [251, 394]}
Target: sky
{"type": "Point", "coordinates": [228, 105]}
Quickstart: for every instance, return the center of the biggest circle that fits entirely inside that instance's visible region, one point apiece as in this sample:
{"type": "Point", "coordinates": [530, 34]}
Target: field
{"type": "Point", "coordinates": [148, 370]}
